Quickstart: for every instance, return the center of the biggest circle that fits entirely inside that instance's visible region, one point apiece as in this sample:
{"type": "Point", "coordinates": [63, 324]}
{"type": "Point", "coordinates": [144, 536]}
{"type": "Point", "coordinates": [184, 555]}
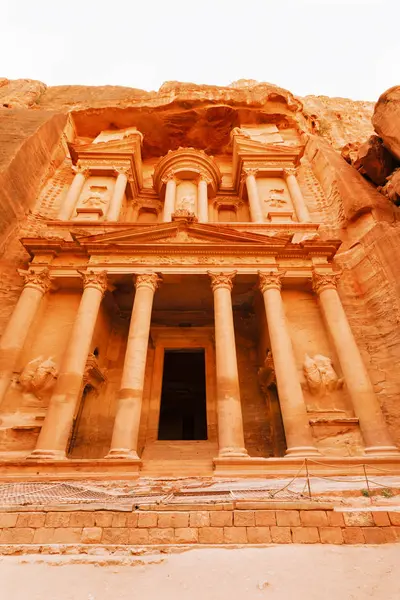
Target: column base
{"type": "Point", "coordinates": [302, 451]}
{"type": "Point", "coordinates": [233, 453]}
{"type": "Point", "coordinates": [122, 453]}
{"type": "Point", "coordinates": [47, 455]}
{"type": "Point", "coordinates": [382, 451]}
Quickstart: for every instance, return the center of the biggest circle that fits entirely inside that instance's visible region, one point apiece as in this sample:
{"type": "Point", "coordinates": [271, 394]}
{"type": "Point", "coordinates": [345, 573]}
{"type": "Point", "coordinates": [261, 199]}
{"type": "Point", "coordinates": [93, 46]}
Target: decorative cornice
{"type": "Point", "coordinates": [271, 280]}
{"type": "Point", "coordinates": [37, 280]}
{"type": "Point", "coordinates": [222, 280]}
{"type": "Point", "coordinates": [96, 280]}
{"type": "Point", "coordinates": [150, 280]}
{"type": "Point", "coordinates": [324, 281]}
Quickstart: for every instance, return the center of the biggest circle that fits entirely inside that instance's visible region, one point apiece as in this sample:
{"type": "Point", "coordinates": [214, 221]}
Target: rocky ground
{"type": "Point", "coordinates": [284, 572]}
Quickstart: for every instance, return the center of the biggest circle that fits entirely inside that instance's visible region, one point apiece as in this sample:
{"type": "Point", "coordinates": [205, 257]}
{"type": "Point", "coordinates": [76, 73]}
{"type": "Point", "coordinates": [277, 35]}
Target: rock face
{"type": "Point", "coordinates": [386, 120]}
{"type": "Point", "coordinates": [374, 160]}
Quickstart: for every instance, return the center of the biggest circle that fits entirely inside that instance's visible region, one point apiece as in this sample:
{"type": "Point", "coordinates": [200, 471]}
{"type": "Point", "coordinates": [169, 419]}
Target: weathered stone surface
{"type": "Point", "coordinates": [386, 120]}
{"type": "Point", "coordinates": [391, 189]}
{"type": "Point", "coordinates": [374, 160]}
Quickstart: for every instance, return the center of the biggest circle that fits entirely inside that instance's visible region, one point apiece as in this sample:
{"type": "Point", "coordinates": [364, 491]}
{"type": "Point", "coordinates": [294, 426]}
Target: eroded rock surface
{"type": "Point", "coordinates": [386, 120]}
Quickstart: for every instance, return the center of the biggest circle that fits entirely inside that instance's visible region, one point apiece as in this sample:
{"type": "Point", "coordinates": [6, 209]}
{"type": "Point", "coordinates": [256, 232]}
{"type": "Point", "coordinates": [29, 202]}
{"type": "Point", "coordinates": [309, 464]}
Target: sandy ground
{"type": "Point", "coordinates": [284, 572]}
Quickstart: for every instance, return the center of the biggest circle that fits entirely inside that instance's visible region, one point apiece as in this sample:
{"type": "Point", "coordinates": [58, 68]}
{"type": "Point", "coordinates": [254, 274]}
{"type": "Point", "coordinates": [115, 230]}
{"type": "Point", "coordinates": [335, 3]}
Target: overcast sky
{"type": "Point", "coordinates": [348, 48]}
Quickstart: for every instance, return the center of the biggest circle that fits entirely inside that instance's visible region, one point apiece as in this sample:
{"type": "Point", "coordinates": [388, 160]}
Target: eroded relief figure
{"type": "Point", "coordinates": [276, 199]}
{"type": "Point", "coordinates": [320, 375]}
{"type": "Point", "coordinates": [38, 376]}
{"type": "Point", "coordinates": [187, 203]}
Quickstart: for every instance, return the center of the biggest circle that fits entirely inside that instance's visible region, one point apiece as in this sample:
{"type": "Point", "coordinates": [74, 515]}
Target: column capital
{"type": "Point", "coordinates": [222, 280]}
{"type": "Point", "coordinates": [247, 171]}
{"type": "Point", "coordinates": [203, 176]}
{"type": "Point", "coordinates": [81, 169]}
{"type": "Point", "coordinates": [324, 281]}
{"type": "Point", "coordinates": [169, 176]}
{"type": "Point", "coordinates": [38, 280]}
{"type": "Point", "coordinates": [271, 280]}
{"type": "Point", "coordinates": [289, 171]}
{"type": "Point", "coordinates": [121, 170]}
{"type": "Point", "coordinates": [96, 280]}
{"type": "Point", "coordinates": [150, 280]}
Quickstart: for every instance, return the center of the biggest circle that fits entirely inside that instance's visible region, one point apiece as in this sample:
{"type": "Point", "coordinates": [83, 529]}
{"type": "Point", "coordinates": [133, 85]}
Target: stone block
{"type": "Point", "coordinates": [358, 519]}
{"type": "Point", "coordinates": [331, 535]}
{"type": "Point", "coordinates": [265, 518]}
{"type": "Point", "coordinates": [161, 536]}
{"type": "Point", "coordinates": [119, 519]}
{"type": "Point", "coordinates": [8, 519]}
{"type": "Point", "coordinates": [91, 535]}
{"type": "Point", "coordinates": [132, 519]}
{"type": "Point", "coordinates": [381, 518]}
{"type": "Point", "coordinates": [313, 518]}
{"type": "Point", "coordinates": [281, 535]}
{"type": "Point", "coordinates": [138, 536]}
{"type": "Point", "coordinates": [34, 520]}
{"type": "Point", "coordinates": [374, 535]}
{"type": "Point", "coordinates": [288, 518]}
{"type": "Point", "coordinates": [57, 519]}
{"type": "Point", "coordinates": [211, 535]}
{"type": "Point", "coordinates": [391, 535]}
{"type": "Point", "coordinates": [44, 535]}
{"type": "Point", "coordinates": [186, 535]}
{"type": "Point", "coordinates": [221, 518]}
{"type": "Point", "coordinates": [115, 535]}
{"type": "Point", "coordinates": [147, 519]}
{"type": "Point", "coordinates": [244, 518]}
{"type": "Point", "coordinates": [394, 517]}
{"type": "Point", "coordinates": [103, 519]}
{"type": "Point", "coordinates": [335, 519]}
{"type": "Point", "coordinates": [173, 519]}
{"type": "Point", "coordinates": [81, 519]}
{"type": "Point", "coordinates": [200, 518]}
{"type": "Point", "coordinates": [353, 535]}
{"type": "Point", "coordinates": [67, 535]}
{"type": "Point", "coordinates": [17, 535]}
{"type": "Point", "coordinates": [235, 535]}
{"type": "Point", "coordinates": [258, 535]}
{"type": "Point", "coordinates": [305, 535]}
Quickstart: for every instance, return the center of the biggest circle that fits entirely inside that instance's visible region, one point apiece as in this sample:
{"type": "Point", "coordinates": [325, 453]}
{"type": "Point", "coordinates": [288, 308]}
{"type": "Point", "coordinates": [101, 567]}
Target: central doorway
{"type": "Point", "coordinates": [183, 396]}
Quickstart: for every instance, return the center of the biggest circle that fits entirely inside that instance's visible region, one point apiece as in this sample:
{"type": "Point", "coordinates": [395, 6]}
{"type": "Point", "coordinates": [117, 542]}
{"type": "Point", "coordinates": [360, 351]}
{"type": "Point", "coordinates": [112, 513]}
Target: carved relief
{"type": "Point", "coordinates": [320, 375]}
{"type": "Point", "coordinates": [38, 376]}
{"type": "Point", "coordinates": [187, 203]}
{"type": "Point", "coordinates": [96, 196]}
{"type": "Point", "coordinates": [93, 375]}
{"type": "Point", "coordinates": [275, 198]}
{"type": "Point", "coordinates": [266, 373]}
{"type": "Point", "coordinates": [222, 280]}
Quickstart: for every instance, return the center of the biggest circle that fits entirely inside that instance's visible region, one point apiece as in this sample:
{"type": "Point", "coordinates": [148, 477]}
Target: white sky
{"type": "Point", "coordinates": [348, 48]}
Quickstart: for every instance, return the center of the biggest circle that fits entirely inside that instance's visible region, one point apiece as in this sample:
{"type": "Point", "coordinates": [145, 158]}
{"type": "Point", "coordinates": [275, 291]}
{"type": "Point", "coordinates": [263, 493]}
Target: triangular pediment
{"type": "Point", "coordinates": [180, 234]}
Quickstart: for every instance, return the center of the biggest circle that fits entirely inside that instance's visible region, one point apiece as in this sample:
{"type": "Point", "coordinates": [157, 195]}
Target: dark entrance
{"type": "Point", "coordinates": [183, 397]}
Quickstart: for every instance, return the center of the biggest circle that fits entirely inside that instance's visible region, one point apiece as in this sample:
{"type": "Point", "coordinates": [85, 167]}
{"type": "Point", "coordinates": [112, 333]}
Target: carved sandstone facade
{"type": "Point", "coordinates": [183, 305]}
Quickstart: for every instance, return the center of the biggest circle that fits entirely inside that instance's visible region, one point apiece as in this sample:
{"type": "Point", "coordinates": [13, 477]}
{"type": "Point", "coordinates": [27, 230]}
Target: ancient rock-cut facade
{"type": "Point", "coordinates": [189, 302]}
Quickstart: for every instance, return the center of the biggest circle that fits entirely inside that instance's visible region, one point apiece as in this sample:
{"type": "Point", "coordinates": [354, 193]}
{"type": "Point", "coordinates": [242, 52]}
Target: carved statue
{"type": "Point", "coordinates": [320, 375]}
{"type": "Point", "coordinates": [266, 373]}
{"type": "Point", "coordinates": [38, 376]}
{"type": "Point", "coordinates": [186, 203]}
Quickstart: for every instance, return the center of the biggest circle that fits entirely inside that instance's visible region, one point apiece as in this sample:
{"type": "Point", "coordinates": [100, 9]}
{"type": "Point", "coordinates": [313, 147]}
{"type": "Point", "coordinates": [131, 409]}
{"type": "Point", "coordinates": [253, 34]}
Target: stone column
{"type": "Point", "coordinates": [202, 199]}
{"type": "Point", "coordinates": [57, 427]}
{"type": "Point", "coordinates": [72, 197]}
{"type": "Point", "coordinates": [170, 194]}
{"type": "Point", "coordinates": [252, 192]}
{"type": "Point", "coordinates": [118, 195]}
{"type": "Point", "coordinates": [129, 408]}
{"type": "Point", "coordinates": [296, 195]}
{"type": "Point", "coordinates": [299, 439]}
{"type": "Point", "coordinates": [230, 421]}
{"type": "Point", "coordinates": [19, 324]}
{"type": "Point", "coordinates": [365, 402]}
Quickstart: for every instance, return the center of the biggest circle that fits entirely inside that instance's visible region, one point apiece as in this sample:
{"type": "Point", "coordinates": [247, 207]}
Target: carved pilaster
{"type": "Point", "coordinates": [324, 281]}
{"type": "Point", "coordinates": [222, 280]}
{"type": "Point", "coordinates": [271, 280]}
{"type": "Point", "coordinates": [96, 280]}
{"type": "Point", "coordinates": [150, 280]}
{"type": "Point", "coordinates": [38, 280]}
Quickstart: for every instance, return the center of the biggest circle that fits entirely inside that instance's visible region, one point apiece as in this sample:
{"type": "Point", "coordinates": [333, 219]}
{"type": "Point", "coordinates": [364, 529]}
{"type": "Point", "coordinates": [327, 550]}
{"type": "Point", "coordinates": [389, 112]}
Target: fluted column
{"type": "Point", "coordinates": [118, 195]}
{"type": "Point", "coordinates": [296, 195]}
{"type": "Point", "coordinates": [57, 426]}
{"type": "Point", "coordinates": [74, 191]}
{"type": "Point", "coordinates": [230, 420]}
{"type": "Point", "coordinates": [170, 195]}
{"type": "Point", "coordinates": [252, 192]}
{"type": "Point", "coordinates": [366, 406]}
{"type": "Point", "coordinates": [129, 408]}
{"type": "Point", "coordinates": [202, 199]}
{"type": "Point", "coordinates": [19, 324]}
{"type": "Point", "coordinates": [299, 439]}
